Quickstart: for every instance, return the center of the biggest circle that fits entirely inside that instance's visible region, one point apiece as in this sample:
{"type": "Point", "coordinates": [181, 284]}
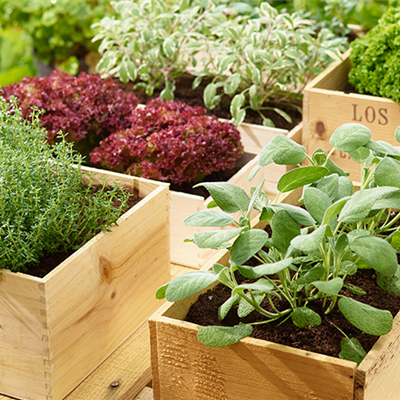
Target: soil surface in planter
{"type": "Point", "coordinates": [324, 339]}
{"type": "Point", "coordinates": [185, 93]}
{"type": "Point", "coordinates": [50, 261]}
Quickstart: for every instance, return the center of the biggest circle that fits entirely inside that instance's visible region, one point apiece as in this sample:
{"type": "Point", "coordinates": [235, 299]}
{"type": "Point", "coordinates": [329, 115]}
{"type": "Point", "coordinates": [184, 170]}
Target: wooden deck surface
{"type": "Point", "coordinates": [126, 374]}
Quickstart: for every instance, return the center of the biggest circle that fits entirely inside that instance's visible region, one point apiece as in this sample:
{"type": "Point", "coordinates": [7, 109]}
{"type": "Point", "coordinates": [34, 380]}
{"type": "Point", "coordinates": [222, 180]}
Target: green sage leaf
{"type": "Point", "coordinates": [300, 177]}
{"type": "Point", "coordinates": [219, 336]}
{"type": "Point", "coordinates": [352, 350]}
{"type": "Point", "coordinates": [349, 137]}
{"type": "Point", "coordinates": [247, 245]}
{"type": "Point", "coordinates": [368, 319]}
{"type": "Point", "coordinates": [209, 218]}
{"type": "Point", "coordinates": [305, 317]}
{"type": "Point", "coordinates": [187, 284]}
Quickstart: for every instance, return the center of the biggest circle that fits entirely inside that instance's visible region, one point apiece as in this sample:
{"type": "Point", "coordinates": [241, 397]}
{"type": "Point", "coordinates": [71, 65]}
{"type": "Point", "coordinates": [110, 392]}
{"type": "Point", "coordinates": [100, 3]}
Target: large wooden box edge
{"type": "Point", "coordinates": [326, 106]}
{"type": "Point", "coordinates": [184, 369]}
{"type": "Point", "coordinates": [54, 331]}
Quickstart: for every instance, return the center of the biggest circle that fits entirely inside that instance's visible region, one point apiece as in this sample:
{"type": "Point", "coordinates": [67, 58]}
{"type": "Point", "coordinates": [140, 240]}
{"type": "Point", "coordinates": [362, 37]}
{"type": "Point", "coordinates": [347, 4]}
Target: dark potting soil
{"type": "Point", "coordinates": [50, 261]}
{"type": "Point", "coordinates": [324, 339]}
{"type": "Point", "coordinates": [185, 93]}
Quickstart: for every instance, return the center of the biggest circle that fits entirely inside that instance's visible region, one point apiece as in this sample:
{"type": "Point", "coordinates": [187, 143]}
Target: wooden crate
{"type": "Point", "coordinates": [253, 369]}
{"type": "Point", "coordinates": [254, 139]}
{"type": "Point", "coordinates": [55, 330]}
{"type": "Point", "coordinates": [326, 107]}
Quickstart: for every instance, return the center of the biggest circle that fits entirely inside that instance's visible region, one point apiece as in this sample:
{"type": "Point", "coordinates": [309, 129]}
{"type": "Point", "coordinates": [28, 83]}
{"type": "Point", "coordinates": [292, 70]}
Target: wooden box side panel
{"type": "Point", "coordinates": [329, 110]}
{"type": "Point", "coordinates": [24, 344]}
{"type": "Point", "coordinates": [377, 377]}
{"type": "Point", "coordinates": [248, 370]}
{"type": "Point", "coordinates": [188, 254]}
{"type": "Point", "coordinates": [335, 77]}
{"type": "Point", "coordinates": [256, 137]}
{"type": "Point", "coordinates": [99, 296]}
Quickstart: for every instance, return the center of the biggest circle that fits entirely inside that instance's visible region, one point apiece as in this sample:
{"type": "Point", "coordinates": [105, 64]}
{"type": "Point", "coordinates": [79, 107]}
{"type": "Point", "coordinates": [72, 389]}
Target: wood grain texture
{"type": "Point", "coordinates": [129, 365]}
{"type": "Point", "coordinates": [326, 107]}
{"type": "Point", "coordinates": [59, 328]}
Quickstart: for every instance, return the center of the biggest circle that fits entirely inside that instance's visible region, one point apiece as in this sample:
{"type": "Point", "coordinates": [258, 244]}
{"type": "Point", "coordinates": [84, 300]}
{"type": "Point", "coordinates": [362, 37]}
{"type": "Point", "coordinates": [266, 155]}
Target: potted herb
{"type": "Point", "coordinates": [307, 257]}
{"type": "Point", "coordinates": [255, 61]}
{"type": "Point", "coordinates": [361, 89]}
{"type": "Point", "coordinates": [59, 325]}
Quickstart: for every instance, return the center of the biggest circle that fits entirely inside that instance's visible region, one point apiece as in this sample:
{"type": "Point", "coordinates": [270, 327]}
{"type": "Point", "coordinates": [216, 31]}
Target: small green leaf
{"type": "Point", "coordinates": [272, 268]}
{"type": "Point", "coordinates": [187, 284]}
{"type": "Point", "coordinates": [316, 202]}
{"type": "Point", "coordinates": [245, 308]}
{"type": "Point", "coordinates": [354, 289]}
{"type": "Point", "coordinates": [397, 134]}
{"type": "Point", "coordinates": [283, 151]}
{"type": "Point", "coordinates": [246, 245]}
{"type": "Point", "coordinates": [209, 218]}
{"type": "Point", "coordinates": [219, 336]}
{"type": "Point", "coordinates": [330, 288]}
{"type": "Point", "coordinates": [377, 253]}
{"type": "Point", "coordinates": [368, 319]}
{"type": "Point", "coordinates": [236, 104]}
{"type": "Point", "coordinates": [224, 309]}
{"type": "Point", "coordinates": [312, 275]}
{"type": "Point", "coordinates": [300, 177]}
{"type": "Point", "coordinates": [300, 215]}
{"type": "Point", "coordinates": [229, 197]}
{"type": "Point", "coordinates": [387, 172]}
{"type": "Point", "coordinates": [216, 239]}
{"type": "Point", "coordinates": [352, 350]}
{"type": "Point", "coordinates": [305, 317]}
{"type": "Point", "coordinates": [309, 243]}
{"type": "Point", "coordinates": [160, 293]}
{"type": "Point", "coordinates": [169, 47]}
{"type": "Point", "coordinates": [349, 137]}
{"type": "Point", "coordinates": [332, 211]}
{"type": "Point", "coordinates": [284, 229]}
{"type": "Point", "coordinates": [209, 93]}
{"type": "Point", "coordinates": [261, 286]}
{"type": "Point", "coordinates": [360, 204]}
{"type": "Point", "coordinates": [390, 283]}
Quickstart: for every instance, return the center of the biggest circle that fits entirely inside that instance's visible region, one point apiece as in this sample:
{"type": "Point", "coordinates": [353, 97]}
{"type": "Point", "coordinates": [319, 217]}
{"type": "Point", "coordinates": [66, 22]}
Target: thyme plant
{"type": "Point", "coordinates": [311, 251]}
{"type": "Point", "coordinates": [44, 208]}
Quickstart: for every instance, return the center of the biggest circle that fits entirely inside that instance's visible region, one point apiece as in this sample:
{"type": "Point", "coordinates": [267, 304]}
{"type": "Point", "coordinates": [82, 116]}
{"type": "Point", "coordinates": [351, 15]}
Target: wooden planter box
{"type": "Point", "coordinates": [55, 330]}
{"type": "Point", "coordinates": [254, 139]}
{"type": "Point", "coordinates": [253, 369]}
{"type": "Point", "coordinates": [326, 107]}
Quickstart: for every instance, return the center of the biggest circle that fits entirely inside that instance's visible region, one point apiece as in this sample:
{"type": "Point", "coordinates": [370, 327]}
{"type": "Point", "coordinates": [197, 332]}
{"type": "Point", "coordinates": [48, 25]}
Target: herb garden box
{"type": "Point", "coordinates": [326, 106]}
{"type": "Point", "coordinates": [183, 368]}
{"type": "Point", "coordinates": [55, 330]}
{"type": "Point", "coordinates": [254, 139]}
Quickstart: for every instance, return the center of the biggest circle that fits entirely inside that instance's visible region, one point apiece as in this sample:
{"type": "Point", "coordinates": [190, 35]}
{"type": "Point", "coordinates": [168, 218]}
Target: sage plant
{"type": "Point", "coordinates": [311, 251]}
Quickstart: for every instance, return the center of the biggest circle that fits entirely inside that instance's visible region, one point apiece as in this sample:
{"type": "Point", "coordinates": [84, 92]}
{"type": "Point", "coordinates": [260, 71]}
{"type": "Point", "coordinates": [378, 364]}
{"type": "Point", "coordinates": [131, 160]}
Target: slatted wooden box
{"type": "Point", "coordinates": [55, 330]}
{"type": "Point", "coordinates": [326, 106]}
{"type": "Point", "coordinates": [254, 139]}
{"type": "Point", "coordinates": [253, 369]}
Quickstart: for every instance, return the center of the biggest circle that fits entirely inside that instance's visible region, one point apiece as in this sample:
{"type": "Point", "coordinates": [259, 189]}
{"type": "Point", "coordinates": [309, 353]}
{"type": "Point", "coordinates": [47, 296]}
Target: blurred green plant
{"type": "Point", "coordinates": [16, 59]}
{"type": "Point", "coordinates": [337, 14]}
{"type": "Point", "coordinates": [60, 30]}
{"type": "Point", "coordinates": [375, 57]}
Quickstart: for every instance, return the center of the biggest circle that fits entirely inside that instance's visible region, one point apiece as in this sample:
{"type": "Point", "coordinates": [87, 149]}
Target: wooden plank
{"type": "Point", "coordinates": [377, 376]}
{"type": "Point", "coordinates": [100, 285]}
{"type": "Point", "coordinates": [326, 107]}
{"type": "Point", "coordinates": [260, 367]}
{"type": "Point", "coordinates": [55, 330]}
